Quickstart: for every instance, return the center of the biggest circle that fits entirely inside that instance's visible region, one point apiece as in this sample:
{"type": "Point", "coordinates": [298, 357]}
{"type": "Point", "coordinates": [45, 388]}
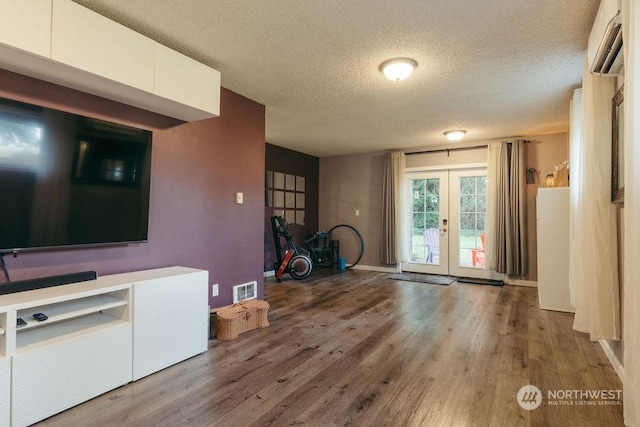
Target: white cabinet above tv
{"type": "Point", "coordinates": [90, 42]}
{"type": "Point", "coordinates": [26, 25]}
{"type": "Point", "coordinates": [64, 43]}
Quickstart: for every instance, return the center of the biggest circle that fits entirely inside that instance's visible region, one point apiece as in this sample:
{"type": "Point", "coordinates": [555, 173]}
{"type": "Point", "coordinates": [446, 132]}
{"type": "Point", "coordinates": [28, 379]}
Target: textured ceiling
{"type": "Point", "coordinates": [497, 68]}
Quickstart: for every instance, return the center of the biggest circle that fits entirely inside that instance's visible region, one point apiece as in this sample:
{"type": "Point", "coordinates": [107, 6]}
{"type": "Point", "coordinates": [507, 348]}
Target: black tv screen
{"type": "Point", "coordinates": [70, 180]}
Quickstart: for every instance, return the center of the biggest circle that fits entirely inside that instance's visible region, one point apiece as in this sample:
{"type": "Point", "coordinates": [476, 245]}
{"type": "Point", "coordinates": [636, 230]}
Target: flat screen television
{"type": "Point", "coordinates": [68, 180]}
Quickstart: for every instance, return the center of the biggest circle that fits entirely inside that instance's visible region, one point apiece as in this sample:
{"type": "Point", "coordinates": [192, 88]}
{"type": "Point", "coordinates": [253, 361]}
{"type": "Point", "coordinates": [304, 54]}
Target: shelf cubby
{"type": "Point", "coordinates": [63, 311]}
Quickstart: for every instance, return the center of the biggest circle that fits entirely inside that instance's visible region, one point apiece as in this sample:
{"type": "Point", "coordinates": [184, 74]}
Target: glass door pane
{"type": "Point", "coordinates": [428, 208]}
{"type": "Point", "coordinates": [468, 217]}
{"type": "Point", "coordinates": [473, 209]}
{"type": "Point", "coordinates": [425, 217]}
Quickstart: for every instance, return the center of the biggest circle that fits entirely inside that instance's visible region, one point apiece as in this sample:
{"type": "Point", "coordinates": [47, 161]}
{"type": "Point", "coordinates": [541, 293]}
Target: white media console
{"type": "Point", "coordinates": [99, 335]}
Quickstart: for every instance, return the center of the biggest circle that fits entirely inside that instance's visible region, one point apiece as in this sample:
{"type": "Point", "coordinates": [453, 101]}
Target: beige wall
{"type": "Point", "coordinates": [462, 157]}
{"type": "Point", "coordinates": [350, 183]}
{"type": "Point", "coordinates": [347, 184]}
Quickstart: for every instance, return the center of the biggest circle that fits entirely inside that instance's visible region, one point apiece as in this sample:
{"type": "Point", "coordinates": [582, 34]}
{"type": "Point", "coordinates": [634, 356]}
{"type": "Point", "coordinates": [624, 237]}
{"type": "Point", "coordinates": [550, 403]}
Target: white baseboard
{"type": "Point", "coordinates": [617, 366]}
{"type": "Point", "coordinates": [396, 269]}
{"type": "Point", "coordinates": [381, 269]}
{"type": "Point", "coordinates": [269, 273]}
{"type": "Point", "coordinates": [520, 282]}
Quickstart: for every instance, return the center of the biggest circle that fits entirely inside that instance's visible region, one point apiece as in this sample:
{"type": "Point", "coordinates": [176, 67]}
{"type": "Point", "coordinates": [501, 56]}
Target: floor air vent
{"type": "Point", "coordinates": [245, 291]}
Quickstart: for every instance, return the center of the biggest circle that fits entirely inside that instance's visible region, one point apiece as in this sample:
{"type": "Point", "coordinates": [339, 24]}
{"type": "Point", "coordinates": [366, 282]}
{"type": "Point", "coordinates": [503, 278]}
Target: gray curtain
{"type": "Point", "coordinates": [388, 241]}
{"type": "Point", "coordinates": [511, 218]}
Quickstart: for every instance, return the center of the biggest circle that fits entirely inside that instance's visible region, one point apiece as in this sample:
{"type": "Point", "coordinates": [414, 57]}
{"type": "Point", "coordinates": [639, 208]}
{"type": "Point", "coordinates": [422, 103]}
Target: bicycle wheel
{"type": "Point", "coordinates": [300, 267]}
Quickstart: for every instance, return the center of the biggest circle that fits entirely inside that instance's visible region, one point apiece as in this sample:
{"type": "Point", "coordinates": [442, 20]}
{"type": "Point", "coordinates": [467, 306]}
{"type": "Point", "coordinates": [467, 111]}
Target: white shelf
{"type": "Point", "coordinates": [68, 310]}
{"type": "Point", "coordinates": [86, 346]}
{"type": "Point", "coordinates": [42, 337]}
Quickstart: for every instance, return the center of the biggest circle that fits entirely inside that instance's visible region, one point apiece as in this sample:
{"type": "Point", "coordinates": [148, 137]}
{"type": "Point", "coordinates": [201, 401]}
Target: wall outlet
{"type": "Point", "coordinates": [357, 212]}
{"type": "Point", "coordinates": [214, 290]}
{"type": "Point", "coordinates": [239, 198]}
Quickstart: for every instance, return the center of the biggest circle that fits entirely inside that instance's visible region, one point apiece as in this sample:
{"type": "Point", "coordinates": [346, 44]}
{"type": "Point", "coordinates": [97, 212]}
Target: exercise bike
{"type": "Point", "coordinates": [296, 260]}
{"type": "Point", "coordinates": [322, 249]}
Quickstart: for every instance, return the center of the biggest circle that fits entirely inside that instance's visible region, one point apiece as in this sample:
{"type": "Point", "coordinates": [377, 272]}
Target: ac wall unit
{"type": "Point", "coordinates": [605, 42]}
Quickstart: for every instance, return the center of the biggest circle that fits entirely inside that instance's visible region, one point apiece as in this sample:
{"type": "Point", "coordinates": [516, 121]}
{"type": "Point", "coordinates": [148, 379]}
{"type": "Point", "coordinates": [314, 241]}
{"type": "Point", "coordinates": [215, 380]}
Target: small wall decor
{"type": "Point", "coordinates": [617, 147]}
{"type": "Point", "coordinates": [286, 193]}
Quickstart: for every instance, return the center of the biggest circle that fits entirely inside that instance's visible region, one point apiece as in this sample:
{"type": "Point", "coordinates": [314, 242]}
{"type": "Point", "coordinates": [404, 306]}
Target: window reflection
{"type": "Point", "coordinates": [20, 141]}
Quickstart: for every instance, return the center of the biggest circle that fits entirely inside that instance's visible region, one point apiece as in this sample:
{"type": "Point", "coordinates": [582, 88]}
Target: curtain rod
{"type": "Point", "coordinates": [447, 150]}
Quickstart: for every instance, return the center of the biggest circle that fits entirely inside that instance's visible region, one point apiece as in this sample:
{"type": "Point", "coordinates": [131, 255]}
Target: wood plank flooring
{"type": "Point", "coordinates": [357, 348]}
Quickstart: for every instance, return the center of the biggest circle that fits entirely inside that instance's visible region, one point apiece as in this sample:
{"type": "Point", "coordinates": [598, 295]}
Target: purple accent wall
{"type": "Point", "coordinates": [196, 170]}
{"type": "Point", "coordinates": [279, 159]}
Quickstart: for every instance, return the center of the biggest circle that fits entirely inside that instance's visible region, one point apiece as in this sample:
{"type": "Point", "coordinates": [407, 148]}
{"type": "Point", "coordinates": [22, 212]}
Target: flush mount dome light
{"type": "Point", "coordinates": [398, 69]}
{"type": "Point", "coordinates": [455, 135]}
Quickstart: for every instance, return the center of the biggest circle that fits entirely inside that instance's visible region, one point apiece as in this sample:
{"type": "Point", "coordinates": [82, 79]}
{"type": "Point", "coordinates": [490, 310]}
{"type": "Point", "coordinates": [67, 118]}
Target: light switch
{"type": "Point", "coordinates": [357, 212]}
{"type": "Point", "coordinates": [239, 198]}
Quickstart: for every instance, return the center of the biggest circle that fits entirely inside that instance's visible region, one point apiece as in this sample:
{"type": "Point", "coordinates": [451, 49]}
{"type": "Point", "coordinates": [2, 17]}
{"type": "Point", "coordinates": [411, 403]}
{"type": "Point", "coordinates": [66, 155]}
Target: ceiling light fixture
{"type": "Point", "coordinates": [398, 69]}
{"type": "Point", "coordinates": [455, 135]}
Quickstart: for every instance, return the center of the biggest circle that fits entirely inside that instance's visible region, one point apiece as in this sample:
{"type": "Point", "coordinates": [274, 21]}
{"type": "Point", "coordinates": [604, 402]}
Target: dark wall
{"type": "Point", "coordinates": [196, 170]}
{"type": "Point", "coordinates": [279, 159]}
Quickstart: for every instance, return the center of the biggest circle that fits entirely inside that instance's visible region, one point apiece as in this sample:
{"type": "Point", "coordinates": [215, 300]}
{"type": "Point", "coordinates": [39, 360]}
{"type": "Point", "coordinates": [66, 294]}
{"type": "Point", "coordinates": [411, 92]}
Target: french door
{"type": "Point", "coordinates": [447, 219]}
{"type": "Point", "coordinates": [429, 213]}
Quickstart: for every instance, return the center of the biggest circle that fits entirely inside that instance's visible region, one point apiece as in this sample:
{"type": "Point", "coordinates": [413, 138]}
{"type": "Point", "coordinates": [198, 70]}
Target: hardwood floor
{"type": "Point", "coordinates": [357, 348]}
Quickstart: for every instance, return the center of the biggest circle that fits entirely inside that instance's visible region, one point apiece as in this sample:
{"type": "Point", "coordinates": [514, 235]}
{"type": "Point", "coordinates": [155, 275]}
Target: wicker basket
{"type": "Point", "coordinates": [232, 320]}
